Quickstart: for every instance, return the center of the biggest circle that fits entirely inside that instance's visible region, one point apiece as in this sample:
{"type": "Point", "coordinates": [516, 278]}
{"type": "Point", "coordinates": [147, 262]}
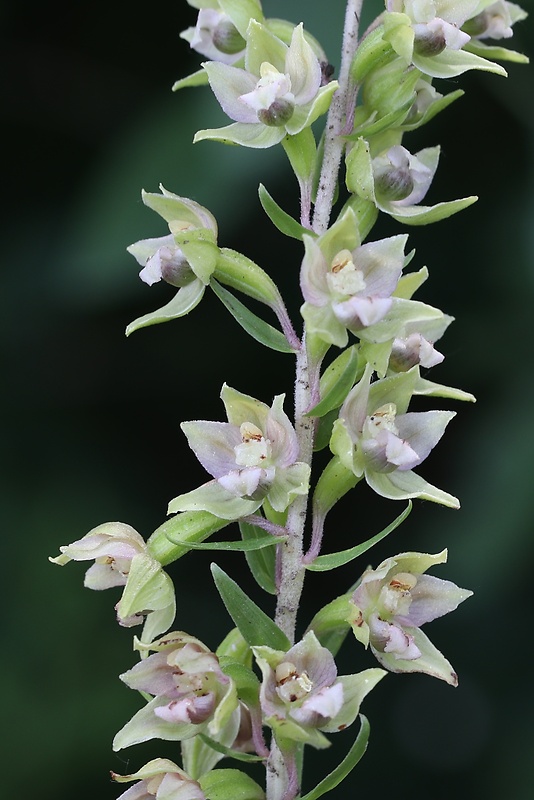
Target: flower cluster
{"type": "Point", "coordinates": [273, 81]}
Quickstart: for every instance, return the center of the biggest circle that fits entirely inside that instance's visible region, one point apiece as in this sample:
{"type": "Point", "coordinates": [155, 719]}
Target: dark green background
{"type": "Point", "coordinates": [91, 420]}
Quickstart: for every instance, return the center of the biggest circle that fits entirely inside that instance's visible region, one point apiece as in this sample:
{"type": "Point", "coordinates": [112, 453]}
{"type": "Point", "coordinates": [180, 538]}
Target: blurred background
{"type": "Point", "coordinates": [91, 420]}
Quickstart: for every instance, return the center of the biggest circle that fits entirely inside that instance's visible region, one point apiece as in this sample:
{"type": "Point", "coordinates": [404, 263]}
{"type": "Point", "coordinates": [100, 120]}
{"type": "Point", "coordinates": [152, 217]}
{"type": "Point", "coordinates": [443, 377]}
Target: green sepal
{"type": "Point", "coordinates": [408, 284]}
{"type": "Point", "coordinates": [228, 752]}
{"type": "Point", "coordinates": [241, 12]}
{"type": "Point", "coordinates": [431, 389]}
{"type": "Point", "coordinates": [301, 151]}
{"type": "Point", "coordinates": [334, 560]}
{"type": "Point", "coordinates": [359, 175]}
{"type": "Point", "coordinates": [240, 133]}
{"type": "Point", "coordinates": [434, 108]}
{"type": "Point", "coordinates": [169, 541]}
{"type": "Point", "coordinates": [494, 51]}
{"type": "Point", "coordinates": [337, 381]}
{"type": "Point", "coordinates": [333, 622]}
{"type": "Point", "coordinates": [284, 31]}
{"type": "Point", "coordinates": [172, 208]}
{"type": "Point", "coordinates": [239, 272]}
{"type": "Point", "coordinates": [425, 215]}
{"type": "Point", "coordinates": [343, 769]}
{"type": "Point", "coordinates": [261, 331]}
{"type": "Point", "coordinates": [198, 78]}
{"type": "Point", "coordinates": [261, 563]}
{"type": "Point", "coordinates": [365, 211]}
{"type": "Point", "coordinates": [239, 546]}
{"type": "Point", "coordinates": [373, 52]}
{"type": "Point", "coordinates": [230, 784]}
{"type": "Point", "coordinates": [184, 301]}
{"type": "Point", "coordinates": [280, 218]}
{"type": "Point", "coordinates": [255, 626]}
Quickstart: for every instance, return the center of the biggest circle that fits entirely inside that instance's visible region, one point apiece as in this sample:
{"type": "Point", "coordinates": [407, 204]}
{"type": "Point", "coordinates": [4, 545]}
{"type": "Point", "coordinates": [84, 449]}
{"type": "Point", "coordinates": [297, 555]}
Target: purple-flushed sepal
{"type": "Point", "coordinates": [391, 604]}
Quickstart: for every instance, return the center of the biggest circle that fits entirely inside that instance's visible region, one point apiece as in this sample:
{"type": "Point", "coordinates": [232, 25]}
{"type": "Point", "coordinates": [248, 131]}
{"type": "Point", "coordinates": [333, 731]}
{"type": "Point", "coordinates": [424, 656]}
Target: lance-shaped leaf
{"type": "Point", "coordinates": [255, 326]}
{"type": "Point", "coordinates": [280, 218]}
{"type": "Point", "coordinates": [254, 624]}
{"type": "Point", "coordinates": [261, 562]}
{"type": "Point", "coordinates": [334, 560]}
{"type": "Point", "coordinates": [343, 769]}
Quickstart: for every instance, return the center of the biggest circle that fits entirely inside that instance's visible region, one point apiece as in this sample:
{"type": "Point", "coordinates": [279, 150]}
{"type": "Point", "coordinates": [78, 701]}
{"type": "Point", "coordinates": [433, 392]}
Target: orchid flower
{"type": "Point", "coordinates": [375, 437]}
{"type": "Point", "coordinates": [122, 559]}
{"type": "Point", "coordinates": [190, 692]}
{"type": "Point", "coordinates": [252, 457]}
{"type": "Point", "coordinates": [302, 695]}
{"type": "Point", "coordinates": [393, 601]}
{"type": "Point", "coordinates": [278, 93]}
{"type": "Point", "coordinates": [427, 34]}
{"type": "Point", "coordinates": [185, 258]}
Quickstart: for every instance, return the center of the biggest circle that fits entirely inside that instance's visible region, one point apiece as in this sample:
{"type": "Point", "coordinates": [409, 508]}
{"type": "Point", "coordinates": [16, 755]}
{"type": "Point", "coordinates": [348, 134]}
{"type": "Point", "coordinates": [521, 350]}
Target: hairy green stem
{"type": "Point", "coordinates": [281, 780]}
{"type": "Point", "coordinates": [343, 100]}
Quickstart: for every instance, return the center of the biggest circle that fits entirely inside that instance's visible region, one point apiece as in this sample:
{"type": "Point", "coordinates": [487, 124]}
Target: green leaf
{"type": "Point", "coordinates": [334, 560]}
{"type": "Point", "coordinates": [280, 218]}
{"type": "Point", "coordinates": [261, 563]}
{"type": "Point", "coordinates": [256, 327]}
{"type": "Point", "coordinates": [255, 626]}
{"type": "Point", "coordinates": [336, 382]}
{"type": "Point", "coordinates": [347, 765]}
{"type": "Point", "coordinates": [227, 751]}
{"type": "Point", "coordinates": [252, 544]}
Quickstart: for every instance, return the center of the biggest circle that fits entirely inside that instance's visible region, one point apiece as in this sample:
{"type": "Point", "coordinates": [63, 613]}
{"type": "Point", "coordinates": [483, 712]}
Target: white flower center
{"type": "Point", "coordinates": [255, 449]}
{"type": "Point", "coordinates": [395, 597]}
{"type": "Point", "coordinates": [290, 684]}
{"type": "Point", "coordinates": [344, 278]}
{"type": "Point", "coordinates": [272, 85]}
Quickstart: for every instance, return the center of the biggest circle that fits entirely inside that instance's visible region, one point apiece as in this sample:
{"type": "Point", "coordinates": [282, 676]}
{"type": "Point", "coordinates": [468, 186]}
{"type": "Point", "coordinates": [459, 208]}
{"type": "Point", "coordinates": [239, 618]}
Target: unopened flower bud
{"type": "Point", "coordinates": [277, 114]}
{"type": "Point", "coordinates": [227, 38]}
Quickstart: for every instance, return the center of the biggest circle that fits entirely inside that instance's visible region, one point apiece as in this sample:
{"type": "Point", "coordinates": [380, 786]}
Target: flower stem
{"type": "Point", "coordinates": [282, 781]}
{"type": "Point", "coordinates": [342, 104]}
